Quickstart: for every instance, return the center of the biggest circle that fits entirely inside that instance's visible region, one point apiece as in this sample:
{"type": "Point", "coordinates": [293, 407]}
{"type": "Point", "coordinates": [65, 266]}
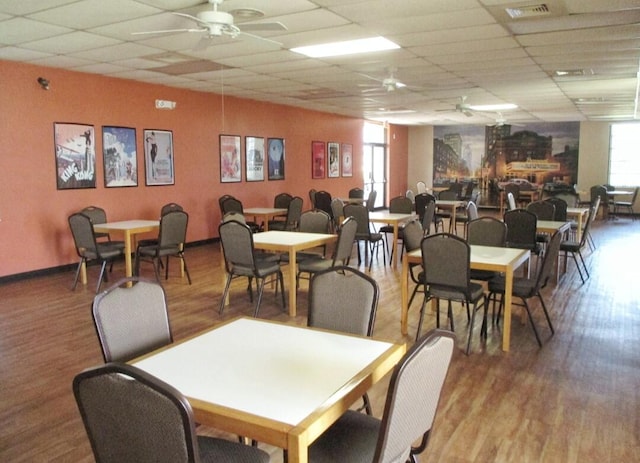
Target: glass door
{"type": "Point", "coordinates": [374, 168]}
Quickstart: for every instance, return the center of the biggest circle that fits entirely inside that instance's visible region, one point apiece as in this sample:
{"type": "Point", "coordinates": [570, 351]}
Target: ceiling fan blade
{"type": "Point", "coordinates": [262, 39]}
{"type": "Point", "coordinates": [467, 113]}
{"type": "Point", "coordinates": [167, 31]}
{"type": "Point", "coordinates": [272, 26]}
{"type": "Point", "coordinates": [192, 18]}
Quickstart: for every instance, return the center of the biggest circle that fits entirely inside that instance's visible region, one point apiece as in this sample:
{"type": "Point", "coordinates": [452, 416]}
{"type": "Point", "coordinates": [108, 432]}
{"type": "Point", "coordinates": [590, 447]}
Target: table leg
{"type": "Point", "coordinates": [404, 290]}
{"type": "Point", "coordinates": [293, 267]}
{"type": "Point", "coordinates": [296, 451]}
{"type": "Point", "coordinates": [579, 230]}
{"type": "Point", "coordinates": [128, 269]}
{"type": "Point", "coordinates": [394, 255]}
{"type": "Point", "coordinates": [83, 273]}
{"type": "Point", "coordinates": [452, 220]}
{"type": "Point", "coordinates": [508, 289]}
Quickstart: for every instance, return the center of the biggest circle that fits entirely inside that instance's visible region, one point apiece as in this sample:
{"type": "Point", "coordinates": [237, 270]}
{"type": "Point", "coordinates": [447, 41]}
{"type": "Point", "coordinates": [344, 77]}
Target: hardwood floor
{"type": "Point", "coordinates": [576, 399]}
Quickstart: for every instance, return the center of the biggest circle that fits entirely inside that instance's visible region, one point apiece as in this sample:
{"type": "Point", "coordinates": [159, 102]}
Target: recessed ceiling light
{"type": "Point", "coordinates": [348, 47]}
{"type": "Point", "coordinates": [493, 107]}
{"type": "Point", "coordinates": [573, 72]}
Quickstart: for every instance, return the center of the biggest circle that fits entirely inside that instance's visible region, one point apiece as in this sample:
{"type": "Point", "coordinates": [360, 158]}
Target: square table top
{"type": "Point", "coordinates": [127, 225]}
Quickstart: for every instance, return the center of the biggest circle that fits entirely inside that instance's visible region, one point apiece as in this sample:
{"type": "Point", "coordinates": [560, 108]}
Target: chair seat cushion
{"type": "Point", "coordinates": [522, 287]}
{"type": "Point", "coordinates": [442, 292]}
{"type": "Point", "coordinates": [483, 275]}
{"type": "Point", "coordinates": [315, 265]}
{"type": "Point", "coordinates": [214, 450]}
{"type": "Point", "coordinates": [106, 250]}
{"type": "Point", "coordinates": [352, 439]}
{"type": "Point", "coordinates": [570, 246]}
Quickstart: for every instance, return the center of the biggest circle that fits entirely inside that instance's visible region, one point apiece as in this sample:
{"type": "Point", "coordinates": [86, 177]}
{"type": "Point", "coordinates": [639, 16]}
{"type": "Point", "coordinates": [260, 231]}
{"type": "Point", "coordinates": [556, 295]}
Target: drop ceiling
{"type": "Point", "coordinates": [449, 49]}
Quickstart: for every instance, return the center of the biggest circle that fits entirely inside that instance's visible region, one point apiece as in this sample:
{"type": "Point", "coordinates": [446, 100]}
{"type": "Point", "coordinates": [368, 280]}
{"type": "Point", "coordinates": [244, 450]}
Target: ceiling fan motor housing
{"type": "Point", "coordinates": [216, 17]}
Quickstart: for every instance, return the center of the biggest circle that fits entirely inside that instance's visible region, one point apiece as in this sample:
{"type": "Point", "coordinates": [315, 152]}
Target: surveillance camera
{"type": "Point", "coordinates": [44, 83]}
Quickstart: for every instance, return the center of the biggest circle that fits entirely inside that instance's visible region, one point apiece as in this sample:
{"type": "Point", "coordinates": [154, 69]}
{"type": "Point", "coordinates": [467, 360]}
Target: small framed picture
{"type": "Point", "coordinates": [254, 158]}
{"type": "Point", "coordinates": [318, 159]}
{"type": "Point", "coordinates": [75, 155]}
{"type": "Point", "coordinates": [158, 157]}
{"type": "Point", "coordinates": [276, 156]}
{"type": "Point", "coordinates": [334, 159]}
{"type": "Point", "coordinates": [347, 160]}
{"type": "Point", "coordinates": [119, 155]}
{"type": "Point", "coordinates": [230, 162]}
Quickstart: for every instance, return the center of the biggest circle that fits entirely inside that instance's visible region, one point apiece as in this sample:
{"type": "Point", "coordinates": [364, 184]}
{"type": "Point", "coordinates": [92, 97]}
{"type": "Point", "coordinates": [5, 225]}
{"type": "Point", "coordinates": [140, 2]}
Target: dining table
{"type": "Point", "coordinates": [395, 220]}
{"type": "Point", "coordinates": [452, 205]}
{"type": "Point", "coordinates": [611, 194]}
{"type": "Point", "coordinates": [275, 383]}
{"type": "Point", "coordinates": [493, 258]}
{"type": "Point", "coordinates": [128, 229]}
{"type": "Point", "coordinates": [580, 214]}
{"type": "Point", "coordinates": [264, 214]}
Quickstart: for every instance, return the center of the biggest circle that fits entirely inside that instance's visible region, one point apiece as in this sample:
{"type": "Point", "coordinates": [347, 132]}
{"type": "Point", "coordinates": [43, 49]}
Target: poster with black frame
{"type": "Point", "coordinates": [347, 160]}
{"type": "Point", "coordinates": [318, 159]}
{"type": "Point", "coordinates": [158, 157]}
{"type": "Point", "coordinates": [334, 159]}
{"type": "Point", "coordinates": [119, 156]}
{"type": "Point", "coordinates": [276, 156]}
{"type": "Point", "coordinates": [230, 162]}
{"type": "Point", "coordinates": [74, 146]}
{"type": "Point", "coordinates": [254, 158]}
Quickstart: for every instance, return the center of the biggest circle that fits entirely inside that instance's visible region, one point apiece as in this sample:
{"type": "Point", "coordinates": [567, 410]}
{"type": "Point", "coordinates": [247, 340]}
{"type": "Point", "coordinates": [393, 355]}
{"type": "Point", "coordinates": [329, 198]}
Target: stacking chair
{"type": "Point", "coordinates": [467, 194]}
{"type": "Point", "coordinates": [446, 267]}
{"type": "Point", "coordinates": [230, 204]}
{"type": "Point", "coordinates": [337, 211]}
{"type": "Point", "coordinates": [88, 248]}
{"type": "Point", "coordinates": [356, 193]}
{"type": "Point", "coordinates": [599, 191]}
{"type": "Point", "coordinates": [171, 240]}
{"type": "Point", "coordinates": [131, 320]}
{"type": "Point", "coordinates": [281, 201]}
{"type": "Point", "coordinates": [372, 240]}
{"type": "Point", "coordinates": [515, 192]}
{"type": "Point", "coordinates": [511, 202]}
{"type": "Point", "coordinates": [486, 231]}
{"type": "Point", "coordinates": [397, 205]}
{"type": "Point", "coordinates": [470, 213]}
{"type": "Point", "coordinates": [575, 248]}
{"type": "Point", "coordinates": [410, 408]}
{"type": "Point", "coordinates": [240, 261]}
{"type": "Point", "coordinates": [411, 195]}
{"type": "Point", "coordinates": [98, 216]}
{"type": "Point", "coordinates": [446, 195]}
{"type": "Point", "coordinates": [169, 207]}
{"type": "Point", "coordinates": [132, 416]}
{"type": "Point", "coordinates": [323, 202]}
{"type": "Point", "coordinates": [560, 211]}
{"type": "Point", "coordinates": [421, 187]}
{"type": "Point", "coordinates": [341, 252]}
{"type": "Point", "coordinates": [428, 218]}
{"type": "Point", "coordinates": [294, 210]}
{"type": "Point", "coordinates": [315, 221]}
{"type": "Point", "coordinates": [371, 200]}
{"type": "Point", "coordinates": [628, 205]}
{"type": "Point", "coordinates": [346, 300]}
{"type": "Point", "coordinates": [572, 199]}
{"type": "Point", "coordinates": [526, 288]}
{"type": "Point", "coordinates": [421, 202]}
{"type": "Point", "coordinates": [544, 210]}
{"type": "Point", "coordinates": [522, 230]}
{"type": "Point", "coordinates": [312, 197]}
{"type": "Point", "coordinates": [413, 234]}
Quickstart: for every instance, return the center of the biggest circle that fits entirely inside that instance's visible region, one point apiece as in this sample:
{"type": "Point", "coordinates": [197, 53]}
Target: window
{"type": "Point", "coordinates": [624, 154]}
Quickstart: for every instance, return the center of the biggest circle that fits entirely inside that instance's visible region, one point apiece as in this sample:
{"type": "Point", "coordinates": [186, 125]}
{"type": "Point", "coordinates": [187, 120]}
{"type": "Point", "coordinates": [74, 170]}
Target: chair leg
{"type": "Point", "coordinates": [260, 290]}
{"type": "Point", "coordinates": [421, 319]}
{"type": "Point", "coordinates": [284, 299]}
{"type": "Point", "coordinates": [586, 270]}
{"type": "Point", "coordinates": [575, 259]}
{"type": "Point", "coordinates": [75, 280]}
{"type": "Point", "coordinates": [184, 264]}
{"type": "Point", "coordinates": [471, 323]}
{"type": "Point", "coordinates": [102, 275]}
{"type": "Point", "coordinates": [225, 293]}
{"type": "Point", "coordinates": [546, 313]}
{"type": "Point", "coordinates": [533, 325]}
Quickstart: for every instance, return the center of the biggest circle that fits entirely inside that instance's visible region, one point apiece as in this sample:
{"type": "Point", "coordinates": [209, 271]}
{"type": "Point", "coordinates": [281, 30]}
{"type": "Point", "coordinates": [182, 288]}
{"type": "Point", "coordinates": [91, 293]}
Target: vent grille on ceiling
{"type": "Point", "coordinates": [529, 11]}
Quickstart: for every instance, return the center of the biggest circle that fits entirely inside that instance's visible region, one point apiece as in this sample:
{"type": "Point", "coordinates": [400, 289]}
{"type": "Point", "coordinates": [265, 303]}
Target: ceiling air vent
{"type": "Point", "coordinates": [529, 11]}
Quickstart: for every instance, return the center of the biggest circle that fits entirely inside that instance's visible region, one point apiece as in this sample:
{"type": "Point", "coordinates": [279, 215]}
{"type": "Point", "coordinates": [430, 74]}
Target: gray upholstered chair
{"type": "Point", "coordinates": [341, 252]}
{"type": "Point", "coordinates": [527, 288]}
{"type": "Point", "coordinates": [470, 213]}
{"type": "Point", "coordinates": [323, 202]}
{"type": "Point", "coordinates": [240, 261]}
{"type": "Point", "coordinates": [628, 205]}
{"type": "Point", "coordinates": [98, 215]}
{"type": "Point", "coordinates": [356, 193]}
{"type": "Point", "coordinates": [575, 247]}
{"type": "Point", "coordinates": [88, 248]}
{"type": "Point", "coordinates": [522, 231]}
{"type": "Point", "coordinates": [486, 231]}
{"type": "Point", "coordinates": [337, 210]}
{"type": "Point", "coordinates": [397, 205]}
{"type": "Point", "coordinates": [409, 411]}
{"type": "Point", "coordinates": [446, 267]}
{"type": "Point", "coordinates": [132, 416]}
{"type": "Point", "coordinates": [169, 207]}
{"type": "Point", "coordinates": [230, 204]}
{"type": "Point", "coordinates": [372, 240]}
{"type": "Point", "coordinates": [413, 234]}
{"type": "Point", "coordinates": [290, 223]}
{"type": "Point", "coordinates": [171, 240]}
{"type": "Point", "coordinates": [131, 320]}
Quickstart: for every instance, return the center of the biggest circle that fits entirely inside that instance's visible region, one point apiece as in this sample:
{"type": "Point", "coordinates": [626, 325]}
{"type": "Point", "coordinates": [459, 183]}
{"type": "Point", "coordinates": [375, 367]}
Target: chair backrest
{"type": "Point", "coordinates": [511, 201]}
{"type": "Point", "coordinates": [487, 231]}
{"type": "Point", "coordinates": [472, 211]}
{"type": "Point", "coordinates": [294, 211]}
{"type": "Point", "coordinates": [221, 201]}
{"type": "Point", "coordinates": [411, 195]}
{"type": "Point", "coordinates": [343, 299]}
{"type": "Point", "coordinates": [371, 200]}
{"type": "Point", "coordinates": [634, 195]}
{"type": "Point", "coordinates": [521, 228]}
{"type": "Point", "coordinates": [315, 221]}
{"type": "Point", "coordinates": [599, 191]}
{"type": "Point", "coordinates": [230, 204]}
{"type": "Point", "coordinates": [173, 229]}
{"type": "Point", "coordinates": [560, 213]}
{"type": "Point", "coordinates": [233, 215]}
{"type": "Point", "coordinates": [421, 187]}
{"type": "Point", "coordinates": [346, 237]}
{"type": "Point", "coordinates": [170, 207]}
{"type": "Point", "coordinates": [337, 210]}
{"type": "Point", "coordinates": [421, 201]}
{"type": "Point", "coordinates": [572, 199]}
{"type": "Point", "coordinates": [361, 214]}
{"type": "Point", "coordinates": [356, 193]}
{"type": "Point", "coordinates": [548, 261]}
{"type": "Point", "coordinates": [400, 205]}
{"type": "Point", "coordinates": [131, 321]}
{"type": "Point", "coordinates": [83, 235]}
{"type": "Point", "coordinates": [448, 195]}
{"type": "Point", "coordinates": [282, 200]}
{"type": "Point", "coordinates": [446, 261]}
{"type": "Point", "coordinates": [312, 197]}
{"type": "Point", "coordinates": [543, 210]}
{"type": "Point", "coordinates": [456, 188]}
{"type": "Point", "coordinates": [413, 396]}
{"type": "Point", "coordinates": [513, 189]}
{"type": "Point", "coordinates": [237, 245]}
{"type": "Point", "coordinates": [323, 202]}
{"type": "Point", "coordinates": [468, 190]}
{"type": "Point", "coordinates": [412, 235]}
{"type": "Point", "coordinates": [97, 216]}
{"type": "Point", "coordinates": [593, 212]}
{"type": "Point", "coordinates": [130, 415]}
{"type": "Point", "coordinates": [428, 217]}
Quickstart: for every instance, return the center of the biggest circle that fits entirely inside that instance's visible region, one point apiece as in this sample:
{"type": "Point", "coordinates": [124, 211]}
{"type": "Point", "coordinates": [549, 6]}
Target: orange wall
{"type": "Point", "coordinates": [33, 213]}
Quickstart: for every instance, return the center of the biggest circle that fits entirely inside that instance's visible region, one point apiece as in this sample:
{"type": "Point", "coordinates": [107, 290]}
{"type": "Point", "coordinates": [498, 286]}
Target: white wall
{"type": "Point", "coordinates": [420, 156]}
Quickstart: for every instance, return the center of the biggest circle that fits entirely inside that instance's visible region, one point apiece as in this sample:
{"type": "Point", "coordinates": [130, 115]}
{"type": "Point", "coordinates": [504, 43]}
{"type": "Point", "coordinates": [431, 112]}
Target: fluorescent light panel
{"type": "Point", "coordinates": [493, 107]}
{"type": "Point", "coordinates": [349, 47]}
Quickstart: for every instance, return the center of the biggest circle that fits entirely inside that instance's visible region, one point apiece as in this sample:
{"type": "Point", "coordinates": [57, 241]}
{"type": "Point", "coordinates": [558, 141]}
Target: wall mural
{"type": "Point", "coordinates": [540, 156]}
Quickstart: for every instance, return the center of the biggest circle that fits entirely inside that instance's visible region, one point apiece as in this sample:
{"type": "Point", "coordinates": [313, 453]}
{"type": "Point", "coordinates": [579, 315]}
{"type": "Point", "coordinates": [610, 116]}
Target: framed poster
{"type": "Point", "coordinates": [276, 156]}
{"type": "Point", "coordinates": [318, 159]}
{"type": "Point", "coordinates": [158, 157]}
{"type": "Point", "coordinates": [119, 156]}
{"type": "Point", "coordinates": [230, 162]}
{"type": "Point", "coordinates": [334, 159]}
{"type": "Point", "coordinates": [75, 155]}
{"type": "Point", "coordinates": [347, 160]}
{"type": "Point", "coordinates": [254, 158]}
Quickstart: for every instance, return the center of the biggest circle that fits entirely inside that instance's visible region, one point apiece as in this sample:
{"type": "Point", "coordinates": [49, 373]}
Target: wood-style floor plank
{"type": "Point", "coordinates": [575, 400]}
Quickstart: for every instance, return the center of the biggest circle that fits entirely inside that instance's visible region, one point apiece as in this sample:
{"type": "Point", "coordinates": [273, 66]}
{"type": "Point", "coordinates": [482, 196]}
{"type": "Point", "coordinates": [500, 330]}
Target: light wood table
{"type": "Point", "coordinates": [533, 195]}
{"type": "Point", "coordinates": [580, 214]}
{"type": "Point", "coordinates": [496, 259]}
{"type": "Point", "coordinates": [452, 205]}
{"type": "Point", "coordinates": [394, 220]}
{"type": "Point", "coordinates": [264, 214]}
{"type": "Point", "coordinates": [278, 384]}
{"type": "Point", "coordinates": [552, 226]}
{"type": "Point", "coordinates": [128, 229]}
{"type": "Point", "coordinates": [291, 242]}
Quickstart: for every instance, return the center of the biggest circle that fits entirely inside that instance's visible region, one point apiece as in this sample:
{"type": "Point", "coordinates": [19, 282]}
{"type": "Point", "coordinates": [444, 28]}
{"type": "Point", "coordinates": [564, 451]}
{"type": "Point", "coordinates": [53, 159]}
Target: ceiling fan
{"type": "Point", "coordinates": [390, 83]}
{"type": "Point", "coordinates": [461, 107]}
{"type": "Point", "coordinates": [501, 121]}
{"type": "Point", "coordinates": [215, 23]}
